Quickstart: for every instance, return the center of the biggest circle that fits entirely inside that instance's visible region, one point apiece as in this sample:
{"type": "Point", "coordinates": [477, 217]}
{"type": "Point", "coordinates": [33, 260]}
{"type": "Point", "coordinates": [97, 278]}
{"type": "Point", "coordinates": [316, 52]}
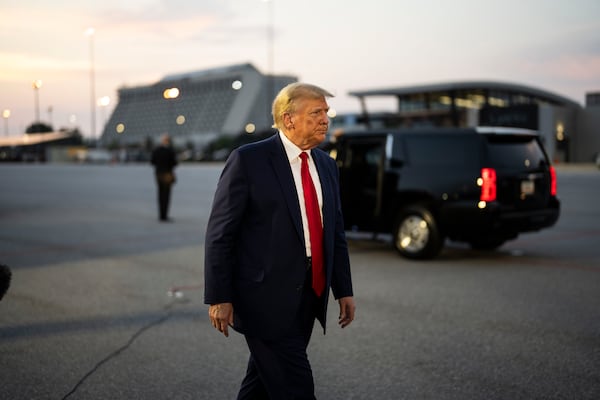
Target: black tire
{"type": "Point", "coordinates": [416, 233]}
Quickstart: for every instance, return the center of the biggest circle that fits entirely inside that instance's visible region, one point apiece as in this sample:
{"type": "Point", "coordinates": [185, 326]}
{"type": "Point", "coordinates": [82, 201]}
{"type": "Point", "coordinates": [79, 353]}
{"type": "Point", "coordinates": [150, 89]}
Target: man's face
{"type": "Point", "coordinates": [308, 125]}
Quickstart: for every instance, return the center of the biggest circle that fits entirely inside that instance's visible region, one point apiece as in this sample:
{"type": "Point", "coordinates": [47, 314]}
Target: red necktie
{"type": "Point", "coordinates": [315, 227]}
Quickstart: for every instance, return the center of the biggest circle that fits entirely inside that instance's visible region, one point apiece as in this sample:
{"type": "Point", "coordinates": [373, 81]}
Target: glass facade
{"type": "Point", "coordinates": [460, 106]}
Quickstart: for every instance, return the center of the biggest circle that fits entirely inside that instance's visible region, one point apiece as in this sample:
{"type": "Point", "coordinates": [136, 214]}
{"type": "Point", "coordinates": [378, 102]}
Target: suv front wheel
{"type": "Point", "coordinates": [416, 233]}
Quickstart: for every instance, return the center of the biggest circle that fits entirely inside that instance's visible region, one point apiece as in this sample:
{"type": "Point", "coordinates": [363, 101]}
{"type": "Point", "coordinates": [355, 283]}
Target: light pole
{"type": "Point", "coordinates": [37, 84]}
{"type": "Point", "coordinates": [270, 55]}
{"type": "Point", "coordinates": [90, 33]}
{"type": "Point", "coordinates": [50, 110]}
{"type": "Point", "coordinates": [5, 115]}
{"type": "Point", "coordinates": [103, 102]}
{"type": "Point", "coordinates": [270, 35]}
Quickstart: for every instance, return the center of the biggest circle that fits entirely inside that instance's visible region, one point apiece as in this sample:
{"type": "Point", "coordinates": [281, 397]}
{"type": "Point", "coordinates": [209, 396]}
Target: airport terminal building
{"type": "Point", "coordinates": [194, 108]}
{"type": "Point", "coordinates": [570, 132]}
{"type": "Point", "coordinates": [198, 107]}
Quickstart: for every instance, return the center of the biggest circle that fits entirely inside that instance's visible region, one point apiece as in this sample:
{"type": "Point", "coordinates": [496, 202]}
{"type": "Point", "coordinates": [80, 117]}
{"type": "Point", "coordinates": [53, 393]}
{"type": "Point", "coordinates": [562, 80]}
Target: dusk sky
{"type": "Point", "coordinates": [339, 45]}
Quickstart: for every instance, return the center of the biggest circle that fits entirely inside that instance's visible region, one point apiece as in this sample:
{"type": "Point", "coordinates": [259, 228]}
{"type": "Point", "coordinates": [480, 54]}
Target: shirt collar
{"type": "Point", "coordinates": [291, 150]}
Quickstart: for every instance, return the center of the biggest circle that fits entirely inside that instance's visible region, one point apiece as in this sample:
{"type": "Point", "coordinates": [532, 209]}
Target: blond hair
{"type": "Point", "coordinates": [285, 101]}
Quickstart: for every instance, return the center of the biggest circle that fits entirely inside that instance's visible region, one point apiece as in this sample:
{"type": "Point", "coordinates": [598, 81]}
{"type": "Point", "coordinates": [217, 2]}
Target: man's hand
{"type": "Point", "coordinates": [221, 316]}
{"type": "Point", "coordinates": [347, 309]}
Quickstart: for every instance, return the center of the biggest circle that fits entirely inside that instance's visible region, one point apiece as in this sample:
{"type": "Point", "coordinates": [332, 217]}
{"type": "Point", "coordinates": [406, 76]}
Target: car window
{"type": "Point", "coordinates": [367, 153]}
{"type": "Point", "coordinates": [373, 155]}
{"type": "Point", "coordinates": [515, 151]}
{"type": "Point", "coordinates": [448, 150]}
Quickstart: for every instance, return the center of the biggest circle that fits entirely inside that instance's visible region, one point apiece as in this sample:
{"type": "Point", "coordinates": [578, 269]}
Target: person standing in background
{"type": "Point", "coordinates": [5, 277]}
{"type": "Point", "coordinates": [275, 246]}
{"type": "Point", "coordinates": [164, 161]}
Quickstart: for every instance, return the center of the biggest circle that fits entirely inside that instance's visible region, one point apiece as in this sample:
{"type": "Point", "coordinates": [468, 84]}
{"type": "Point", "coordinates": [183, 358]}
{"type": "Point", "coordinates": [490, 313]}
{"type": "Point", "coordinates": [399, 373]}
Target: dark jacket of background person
{"type": "Point", "coordinates": [5, 277]}
{"type": "Point", "coordinates": [164, 161]}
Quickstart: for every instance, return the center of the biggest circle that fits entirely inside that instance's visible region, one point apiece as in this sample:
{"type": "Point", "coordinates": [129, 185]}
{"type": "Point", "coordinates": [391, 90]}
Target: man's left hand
{"type": "Point", "coordinates": [221, 316]}
{"type": "Point", "coordinates": [347, 309]}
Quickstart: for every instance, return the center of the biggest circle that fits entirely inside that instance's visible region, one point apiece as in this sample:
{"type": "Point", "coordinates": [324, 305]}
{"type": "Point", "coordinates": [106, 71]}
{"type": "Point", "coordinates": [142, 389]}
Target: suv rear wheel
{"type": "Point", "coordinates": [416, 233]}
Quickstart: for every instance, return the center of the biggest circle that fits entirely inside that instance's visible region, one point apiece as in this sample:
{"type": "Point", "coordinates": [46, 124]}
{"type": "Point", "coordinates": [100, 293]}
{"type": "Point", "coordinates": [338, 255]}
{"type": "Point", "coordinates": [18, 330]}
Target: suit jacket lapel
{"type": "Point", "coordinates": [328, 199]}
{"type": "Point", "coordinates": [283, 171]}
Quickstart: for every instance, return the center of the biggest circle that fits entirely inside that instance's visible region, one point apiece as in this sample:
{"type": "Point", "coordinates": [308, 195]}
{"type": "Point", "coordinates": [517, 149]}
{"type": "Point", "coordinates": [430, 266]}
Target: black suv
{"type": "Point", "coordinates": [482, 186]}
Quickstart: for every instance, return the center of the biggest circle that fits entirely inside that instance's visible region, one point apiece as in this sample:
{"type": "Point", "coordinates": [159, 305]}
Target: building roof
{"type": "Point", "coordinates": [470, 85]}
{"type": "Point", "coordinates": [30, 139]}
{"type": "Point", "coordinates": [209, 72]}
{"type": "Point", "coordinates": [208, 103]}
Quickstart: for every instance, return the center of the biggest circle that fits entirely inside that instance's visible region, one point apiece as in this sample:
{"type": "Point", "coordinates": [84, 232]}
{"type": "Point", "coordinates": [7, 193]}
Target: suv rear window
{"type": "Point", "coordinates": [515, 151]}
{"type": "Point", "coordinates": [446, 150]}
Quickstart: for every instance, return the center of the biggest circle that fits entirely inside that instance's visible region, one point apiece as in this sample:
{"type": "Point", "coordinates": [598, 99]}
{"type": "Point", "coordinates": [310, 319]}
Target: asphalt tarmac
{"type": "Point", "coordinates": [106, 302]}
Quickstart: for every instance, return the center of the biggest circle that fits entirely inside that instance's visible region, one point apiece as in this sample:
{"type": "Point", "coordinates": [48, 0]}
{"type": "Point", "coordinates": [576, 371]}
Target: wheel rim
{"type": "Point", "coordinates": [413, 234]}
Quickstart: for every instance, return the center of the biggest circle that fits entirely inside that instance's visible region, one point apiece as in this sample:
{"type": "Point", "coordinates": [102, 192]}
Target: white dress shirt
{"type": "Point", "coordinates": [293, 154]}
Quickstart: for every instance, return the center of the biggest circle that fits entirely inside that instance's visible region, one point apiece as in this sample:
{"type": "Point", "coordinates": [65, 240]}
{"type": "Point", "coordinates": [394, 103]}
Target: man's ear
{"type": "Point", "coordinates": [287, 121]}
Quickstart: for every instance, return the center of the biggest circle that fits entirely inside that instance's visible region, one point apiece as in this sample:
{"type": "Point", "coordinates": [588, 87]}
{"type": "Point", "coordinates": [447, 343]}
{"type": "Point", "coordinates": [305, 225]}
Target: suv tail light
{"type": "Point", "coordinates": [488, 184]}
{"type": "Point", "coordinates": [552, 181]}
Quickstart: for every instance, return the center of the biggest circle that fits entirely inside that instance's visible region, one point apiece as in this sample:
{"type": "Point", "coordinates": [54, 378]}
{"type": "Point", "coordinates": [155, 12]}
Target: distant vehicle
{"type": "Point", "coordinates": [482, 186]}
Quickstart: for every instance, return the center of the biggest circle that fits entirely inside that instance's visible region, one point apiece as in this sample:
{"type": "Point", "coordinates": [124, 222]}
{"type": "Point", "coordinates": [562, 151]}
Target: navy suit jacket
{"type": "Point", "coordinates": [255, 255]}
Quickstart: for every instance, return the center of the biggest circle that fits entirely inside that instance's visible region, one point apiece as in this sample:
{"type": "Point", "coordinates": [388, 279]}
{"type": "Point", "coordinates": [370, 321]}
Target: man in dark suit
{"type": "Point", "coordinates": [271, 255]}
{"type": "Point", "coordinates": [164, 161]}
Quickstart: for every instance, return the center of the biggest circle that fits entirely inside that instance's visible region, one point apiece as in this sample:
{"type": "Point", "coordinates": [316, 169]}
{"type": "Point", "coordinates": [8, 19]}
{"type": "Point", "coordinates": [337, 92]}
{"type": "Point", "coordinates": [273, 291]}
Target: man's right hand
{"type": "Point", "coordinates": [221, 316]}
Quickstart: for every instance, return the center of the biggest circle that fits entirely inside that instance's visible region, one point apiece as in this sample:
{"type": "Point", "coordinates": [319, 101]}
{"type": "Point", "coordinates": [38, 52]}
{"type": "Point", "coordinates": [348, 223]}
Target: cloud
{"type": "Point", "coordinates": [173, 18]}
{"type": "Point", "coordinates": [23, 66]}
{"type": "Point", "coordinates": [573, 67]}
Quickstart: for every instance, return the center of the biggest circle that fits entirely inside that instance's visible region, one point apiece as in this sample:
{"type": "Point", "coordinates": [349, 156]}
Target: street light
{"type": "Point", "coordinates": [90, 33]}
{"type": "Point", "coordinates": [5, 115]}
{"type": "Point", "coordinates": [270, 36]}
{"type": "Point", "coordinates": [270, 55]}
{"type": "Point", "coordinates": [37, 84]}
{"type": "Point", "coordinates": [171, 94]}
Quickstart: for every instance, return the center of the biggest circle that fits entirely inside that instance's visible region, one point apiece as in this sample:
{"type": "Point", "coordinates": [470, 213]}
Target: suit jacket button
{"type": "Point", "coordinates": [299, 287]}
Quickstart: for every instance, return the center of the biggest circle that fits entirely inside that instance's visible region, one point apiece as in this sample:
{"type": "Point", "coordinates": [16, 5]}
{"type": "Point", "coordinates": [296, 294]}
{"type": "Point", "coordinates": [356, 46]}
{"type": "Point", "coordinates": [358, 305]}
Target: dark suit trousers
{"type": "Point", "coordinates": [164, 197]}
{"type": "Point", "coordinates": [279, 369]}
